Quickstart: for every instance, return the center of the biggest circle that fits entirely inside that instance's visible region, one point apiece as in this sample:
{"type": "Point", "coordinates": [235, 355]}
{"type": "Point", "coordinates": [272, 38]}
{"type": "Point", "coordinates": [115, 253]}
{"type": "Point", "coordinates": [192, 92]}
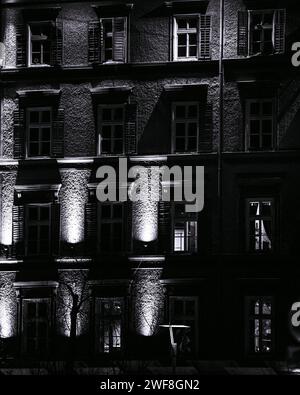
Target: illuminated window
{"type": "Point", "coordinates": [114, 39]}
{"type": "Point", "coordinates": [39, 43]}
{"type": "Point", "coordinates": [111, 130]}
{"type": "Point", "coordinates": [35, 326]}
{"type": "Point", "coordinates": [260, 310]}
{"type": "Point", "coordinates": [39, 130]}
{"type": "Point", "coordinates": [38, 229]}
{"type": "Point", "coordinates": [185, 234]}
{"type": "Point", "coordinates": [183, 310]}
{"type": "Point", "coordinates": [260, 225]}
{"type": "Point", "coordinates": [185, 118]}
{"type": "Point", "coordinates": [109, 318]}
{"type": "Point", "coordinates": [259, 125]}
{"type": "Point", "coordinates": [111, 227]}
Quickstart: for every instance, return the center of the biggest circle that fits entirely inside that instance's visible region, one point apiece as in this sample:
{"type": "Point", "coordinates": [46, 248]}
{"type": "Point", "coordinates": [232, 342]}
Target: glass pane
{"type": "Point", "coordinates": [178, 308]}
{"type": "Point", "coordinates": [44, 213]}
{"type": "Point", "coordinates": [267, 141]}
{"type": "Point", "coordinates": [182, 40]}
{"type": "Point", "coordinates": [193, 51]}
{"type": "Point", "coordinates": [254, 108]}
{"type": "Point", "coordinates": [193, 23]}
{"type": "Point", "coordinates": [267, 108]}
{"type": "Point", "coordinates": [33, 149]}
{"type": "Point", "coordinates": [180, 144]}
{"type": "Point", "coordinates": [267, 308]}
{"type": "Point", "coordinates": [254, 126]}
{"type": "Point", "coordinates": [190, 307]}
{"type": "Point", "coordinates": [182, 23]}
{"type": "Point", "coordinates": [180, 111]}
{"type": "Point", "coordinates": [107, 114]}
{"type": "Point", "coordinates": [192, 130]}
{"type": "Point", "coordinates": [34, 117]}
{"type": "Point", "coordinates": [180, 129]}
{"type": "Point", "coordinates": [34, 134]}
{"type": "Point", "coordinates": [254, 142]}
{"type": "Point", "coordinates": [119, 114]}
{"type": "Point", "coordinates": [182, 52]}
{"type": "Point", "coordinates": [193, 39]}
{"type": "Point", "coordinates": [117, 213]}
{"type": "Point", "coordinates": [119, 131]}
{"type": "Point", "coordinates": [266, 208]}
{"type": "Point", "coordinates": [106, 211]}
{"type": "Point", "coordinates": [45, 149]}
{"type": "Point", "coordinates": [254, 208]}
{"type": "Point", "coordinates": [31, 309]}
{"type": "Point", "coordinates": [192, 144]}
{"type": "Point", "coordinates": [106, 131]}
{"type": "Point", "coordinates": [46, 116]}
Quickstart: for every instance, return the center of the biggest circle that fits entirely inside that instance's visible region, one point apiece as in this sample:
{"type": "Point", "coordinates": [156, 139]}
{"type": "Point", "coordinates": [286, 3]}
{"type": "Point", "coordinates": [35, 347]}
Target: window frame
{"type": "Point", "coordinates": [102, 49]}
{"type": "Point", "coordinates": [250, 329]}
{"type": "Point", "coordinates": [185, 121]}
{"type": "Point", "coordinates": [99, 339]}
{"type": "Point", "coordinates": [112, 124]}
{"type": "Point", "coordinates": [184, 299]}
{"type": "Point", "coordinates": [272, 220]}
{"type": "Point", "coordinates": [28, 124]}
{"type": "Point", "coordinates": [29, 43]}
{"type": "Point", "coordinates": [186, 218]}
{"type": "Point", "coordinates": [175, 37]}
{"type": "Point", "coordinates": [261, 118]}
{"type": "Point", "coordinates": [24, 320]}
{"type": "Point", "coordinates": [111, 221]}
{"type": "Point", "coordinates": [27, 224]}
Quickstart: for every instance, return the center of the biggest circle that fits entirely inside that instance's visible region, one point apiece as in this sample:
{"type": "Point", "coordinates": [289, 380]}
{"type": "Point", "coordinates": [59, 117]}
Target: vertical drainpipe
{"type": "Point", "coordinates": [220, 141]}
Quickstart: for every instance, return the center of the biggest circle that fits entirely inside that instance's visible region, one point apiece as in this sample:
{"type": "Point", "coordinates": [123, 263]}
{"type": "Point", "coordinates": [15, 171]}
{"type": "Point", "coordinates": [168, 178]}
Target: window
{"type": "Point", "coordinates": [39, 130]}
{"type": "Point", "coordinates": [38, 229]}
{"type": "Point", "coordinates": [261, 32]}
{"type": "Point", "coordinates": [35, 326]}
{"type": "Point", "coordinates": [111, 227]}
{"type": "Point", "coordinates": [260, 225]}
{"type": "Point", "coordinates": [185, 117]}
{"type": "Point", "coordinates": [260, 124]}
{"type": "Point", "coordinates": [192, 36]}
{"type": "Point", "coordinates": [114, 40]}
{"type": "Point", "coordinates": [109, 318]}
{"type": "Point", "coordinates": [111, 129]}
{"type": "Point", "coordinates": [260, 311]}
{"type": "Point", "coordinates": [183, 310]}
{"type": "Point", "coordinates": [185, 234]}
{"type": "Point", "coordinates": [39, 43]}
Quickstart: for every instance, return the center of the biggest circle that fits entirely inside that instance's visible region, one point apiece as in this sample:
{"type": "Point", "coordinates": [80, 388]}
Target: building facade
{"type": "Point", "coordinates": [85, 84]}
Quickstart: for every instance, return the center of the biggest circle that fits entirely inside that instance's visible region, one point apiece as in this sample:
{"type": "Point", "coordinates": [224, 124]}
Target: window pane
{"type": "Point", "coordinates": [180, 129]}
{"type": "Point", "coordinates": [254, 108]}
{"type": "Point", "coordinates": [33, 116]}
{"type": "Point", "coordinates": [193, 23]}
{"type": "Point", "coordinates": [182, 52]}
{"type": "Point", "coordinates": [180, 112]}
{"type": "Point", "coordinates": [46, 116]}
{"type": "Point", "coordinates": [34, 134]}
{"type": "Point", "coordinates": [107, 114]}
{"type": "Point", "coordinates": [182, 40]}
{"type": "Point", "coordinates": [106, 211]}
{"type": "Point", "coordinates": [182, 23]}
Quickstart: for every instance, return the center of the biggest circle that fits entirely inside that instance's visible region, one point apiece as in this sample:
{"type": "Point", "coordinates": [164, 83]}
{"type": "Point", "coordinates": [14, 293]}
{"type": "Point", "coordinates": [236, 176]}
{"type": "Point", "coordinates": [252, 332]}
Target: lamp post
{"type": "Point", "coordinates": [173, 344]}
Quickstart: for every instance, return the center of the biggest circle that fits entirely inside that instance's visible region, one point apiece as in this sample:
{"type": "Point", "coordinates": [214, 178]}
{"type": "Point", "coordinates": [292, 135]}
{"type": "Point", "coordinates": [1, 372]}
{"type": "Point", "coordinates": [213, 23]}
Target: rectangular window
{"type": "Point", "coordinates": [111, 227]}
{"type": "Point", "coordinates": [185, 230]}
{"type": "Point", "coordinates": [39, 43]}
{"type": "Point", "coordinates": [260, 225]}
{"type": "Point", "coordinates": [111, 129]}
{"type": "Point", "coordinates": [39, 132]}
{"type": "Point", "coordinates": [185, 119]}
{"type": "Point", "coordinates": [109, 324]}
{"type": "Point", "coordinates": [262, 32]}
{"type": "Point", "coordinates": [35, 325]}
{"type": "Point", "coordinates": [260, 313]}
{"type": "Point", "coordinates": [183, 310]}
{"type": "Point", "coordinates": [38, 229]}
{"type": "Point", "coordinates": [114, 39]}
{"type": "Point", "coordinates": [186, 37]}
{"type": "Point", "coordinates": [260, 124]}
{"type": "Point", "coordinates": [191, 37]}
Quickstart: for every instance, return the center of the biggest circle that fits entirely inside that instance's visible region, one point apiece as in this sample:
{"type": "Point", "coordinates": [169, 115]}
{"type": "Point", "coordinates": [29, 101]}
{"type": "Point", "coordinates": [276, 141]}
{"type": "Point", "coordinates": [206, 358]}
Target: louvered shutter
{"type": "Point", "coordinates": [206, 127]}
{"type": "Point", "coordinates": [94, 42]}
{"type": "Point", "coordinates": [21, 35]}
{"type": "Point", "coordinates": [130, 128]}
{"type": "Point", "coordinates": [119, 39]}
{"type": "Point", "coordinates": [243, 31]}
{"type": "Point", "coordinates": [279, 31]}
{"type": "Point", "coordinates": [91, 227]}
{"type": "Point", "coordinates": [164, 226]}
{"type": "Point", "coordinates": [57, 43]}
{"type": "Point", "coordinates": [204, 36]}
{"type": "Point", "coordinates": [19, 134]}
{"type": "Point", "coordinates": [58, 134]}
{"type": "Point", "coordinates": [55, 228]}
{"type": "Point", "coordinates": [18, 231]}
